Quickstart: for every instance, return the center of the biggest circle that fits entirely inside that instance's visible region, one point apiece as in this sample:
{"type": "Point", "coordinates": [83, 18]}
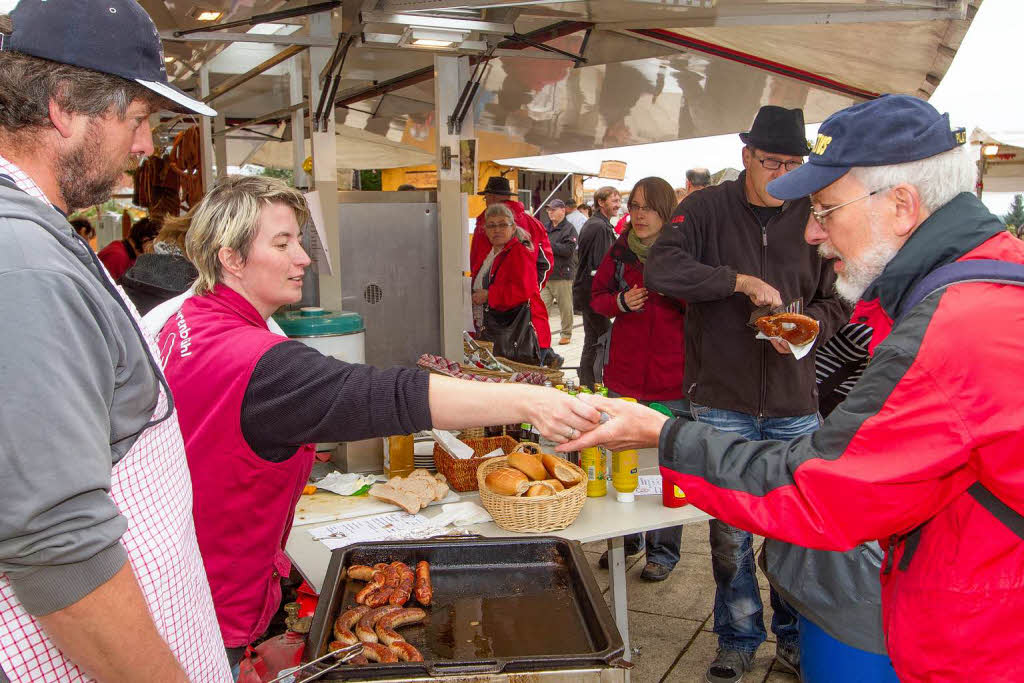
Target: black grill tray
{"type": "Point", "coordinates": [500, 604]}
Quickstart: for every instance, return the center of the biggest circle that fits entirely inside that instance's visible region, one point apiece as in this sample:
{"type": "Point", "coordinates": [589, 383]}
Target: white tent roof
{"type": "Point", "coordinates": [1004, 170]}
{"type": "Point", "coordinates": [548, 164]}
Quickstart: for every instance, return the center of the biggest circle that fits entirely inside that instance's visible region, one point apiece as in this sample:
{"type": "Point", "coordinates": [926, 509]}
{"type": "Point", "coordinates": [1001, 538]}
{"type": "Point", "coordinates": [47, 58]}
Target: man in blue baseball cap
{"type": "Point", "coordinates": [924, 455]}
{"type": "Point", "coordinates": [100, 572]}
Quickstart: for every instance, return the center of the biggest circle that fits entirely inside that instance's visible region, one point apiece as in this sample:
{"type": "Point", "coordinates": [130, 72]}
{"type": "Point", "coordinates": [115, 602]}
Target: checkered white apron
{"type": "Point", "coordinates": [153, 490]}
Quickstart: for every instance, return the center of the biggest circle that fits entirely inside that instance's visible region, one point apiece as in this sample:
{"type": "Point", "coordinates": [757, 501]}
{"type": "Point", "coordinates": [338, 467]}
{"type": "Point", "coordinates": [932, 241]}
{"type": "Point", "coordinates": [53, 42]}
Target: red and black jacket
{"type": "Point", "coordinates": [645, 360]}
{"type": "Point", "coordinates": [935, 413]}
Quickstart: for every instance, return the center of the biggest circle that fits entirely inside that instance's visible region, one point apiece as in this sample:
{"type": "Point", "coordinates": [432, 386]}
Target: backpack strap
{"type": "Point", "coordinates": [979, 270]}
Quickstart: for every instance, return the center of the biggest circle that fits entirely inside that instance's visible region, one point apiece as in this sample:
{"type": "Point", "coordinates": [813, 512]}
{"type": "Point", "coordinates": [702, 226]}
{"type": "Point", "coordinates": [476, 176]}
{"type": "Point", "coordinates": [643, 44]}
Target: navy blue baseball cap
{"type": "Point", "coordinates": [114, 37]}
{"type": "Point", "coordinates": [893, 129]}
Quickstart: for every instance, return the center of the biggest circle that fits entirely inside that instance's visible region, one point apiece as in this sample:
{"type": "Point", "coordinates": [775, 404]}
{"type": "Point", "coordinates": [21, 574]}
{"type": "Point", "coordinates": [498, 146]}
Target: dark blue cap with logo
{"type": "Point", "coordinates": [893, 129]}
{"type": "Point", "coordinates": [114, 37]}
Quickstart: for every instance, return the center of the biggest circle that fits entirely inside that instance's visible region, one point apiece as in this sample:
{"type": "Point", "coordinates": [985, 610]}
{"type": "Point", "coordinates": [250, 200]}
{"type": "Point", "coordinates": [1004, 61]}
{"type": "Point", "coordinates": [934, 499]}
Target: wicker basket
{"type": "Point", "coordinates": [461, 474]}
{"type": "Point", "coordinates": [556, 376]}
{"type": "Point", "coordinates": [532, 515]}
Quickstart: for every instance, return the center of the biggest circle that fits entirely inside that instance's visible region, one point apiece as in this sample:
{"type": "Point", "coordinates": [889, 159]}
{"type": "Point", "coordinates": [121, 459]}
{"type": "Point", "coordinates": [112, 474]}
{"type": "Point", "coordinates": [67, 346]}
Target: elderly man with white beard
{"type": "Point", "coordinates": [924, 454]}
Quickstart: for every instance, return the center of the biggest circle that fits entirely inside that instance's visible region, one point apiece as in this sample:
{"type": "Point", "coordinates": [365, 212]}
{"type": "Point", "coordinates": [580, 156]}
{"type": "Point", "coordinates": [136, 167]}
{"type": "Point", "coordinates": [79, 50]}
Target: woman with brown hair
{"type": "Point", "coordinates": [645, 351]}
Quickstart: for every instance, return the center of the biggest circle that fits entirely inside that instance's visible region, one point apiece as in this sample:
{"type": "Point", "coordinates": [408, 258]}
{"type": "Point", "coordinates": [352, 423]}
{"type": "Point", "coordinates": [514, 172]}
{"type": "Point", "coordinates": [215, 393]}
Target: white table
{"type": "Point", "coordinates": [601, 519]}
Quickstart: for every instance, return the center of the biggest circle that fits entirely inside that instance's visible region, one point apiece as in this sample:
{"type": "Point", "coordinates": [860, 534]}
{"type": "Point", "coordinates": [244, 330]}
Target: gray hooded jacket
{"type": "Point", "coordinates": [79, 387]}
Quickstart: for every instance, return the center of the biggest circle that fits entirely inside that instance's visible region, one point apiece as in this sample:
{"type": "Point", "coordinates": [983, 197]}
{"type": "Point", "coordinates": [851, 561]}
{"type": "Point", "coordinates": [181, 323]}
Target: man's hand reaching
{"type": "Point", "coordinates": [759, 291]}
{"type": "Point", "coordinates": [629, 425]}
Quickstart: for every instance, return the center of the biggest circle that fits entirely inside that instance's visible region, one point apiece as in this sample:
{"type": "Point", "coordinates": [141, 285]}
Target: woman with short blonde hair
{"type": "Point", "coordinates": [252, 403]}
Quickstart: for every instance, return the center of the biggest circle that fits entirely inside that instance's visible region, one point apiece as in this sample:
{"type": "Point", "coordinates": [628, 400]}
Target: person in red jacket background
{"type": "Point", "coordinates": [645, 355]}
{"type": "Point", "coordinates": [499, 191]}
{"type": "Point", "coordinates": [119, 256]}
{"type": "Point", "coordinates": [505, 277]}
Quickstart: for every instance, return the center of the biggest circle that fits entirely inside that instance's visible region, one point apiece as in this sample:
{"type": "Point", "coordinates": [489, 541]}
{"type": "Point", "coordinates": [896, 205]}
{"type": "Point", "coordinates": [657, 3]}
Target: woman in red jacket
{"type": "Point", "coordinates": [645, 358]}
{"type": "Point", "coordinates": [504, 277]}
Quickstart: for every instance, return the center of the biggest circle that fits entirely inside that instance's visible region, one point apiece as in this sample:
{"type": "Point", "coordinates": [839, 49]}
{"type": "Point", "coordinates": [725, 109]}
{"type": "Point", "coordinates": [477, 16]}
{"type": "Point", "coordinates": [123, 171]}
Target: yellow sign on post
{"type": "Point", "coordinates": [612, 170]}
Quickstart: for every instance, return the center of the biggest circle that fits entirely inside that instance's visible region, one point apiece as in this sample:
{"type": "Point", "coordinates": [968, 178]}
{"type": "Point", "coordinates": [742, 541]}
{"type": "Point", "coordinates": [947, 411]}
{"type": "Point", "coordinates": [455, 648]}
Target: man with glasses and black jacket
{"type": "Point", "coordinates": [730, 250]}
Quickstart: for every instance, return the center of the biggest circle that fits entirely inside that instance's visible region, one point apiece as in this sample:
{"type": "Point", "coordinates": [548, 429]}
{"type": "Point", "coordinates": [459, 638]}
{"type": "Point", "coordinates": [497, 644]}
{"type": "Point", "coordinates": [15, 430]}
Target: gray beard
{"type": "Point", "coordinates": [858, 276]}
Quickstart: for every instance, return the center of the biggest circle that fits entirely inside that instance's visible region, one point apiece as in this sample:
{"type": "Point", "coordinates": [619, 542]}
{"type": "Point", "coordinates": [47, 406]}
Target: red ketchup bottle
{"type": "Point", "coordinates": [671, 495]}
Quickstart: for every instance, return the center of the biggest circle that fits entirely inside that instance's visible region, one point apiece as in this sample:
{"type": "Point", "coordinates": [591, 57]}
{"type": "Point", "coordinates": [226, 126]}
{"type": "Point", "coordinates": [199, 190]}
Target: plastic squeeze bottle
{"type": "Point", "coordinates": [594, 463]}
{"type": "Point", "coordinates": [625, 477]}
{"type": "Point", "coordinates": [671, 495]}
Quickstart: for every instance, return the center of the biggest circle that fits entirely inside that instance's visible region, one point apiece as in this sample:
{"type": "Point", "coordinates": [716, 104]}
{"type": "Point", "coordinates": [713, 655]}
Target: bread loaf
{"type": "Point", "coordinates": [528, 464]}
{"type": "Point", "coordinates": [561, 471]}
{"type": "Point", "coordinates": [553, 483]}
{"type": "Point", "coordinates": [507, 481]}
{"type": "Point", "coordinates": [541, 488]}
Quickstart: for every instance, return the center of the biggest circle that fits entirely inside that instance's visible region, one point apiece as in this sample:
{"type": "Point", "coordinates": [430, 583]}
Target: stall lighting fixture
{"type": "Point", "coordinates": [207, 15]}
{"type": "Point", "coordinates": [432, 37]}
{"type": "Point", "coordinates": [990, 150]}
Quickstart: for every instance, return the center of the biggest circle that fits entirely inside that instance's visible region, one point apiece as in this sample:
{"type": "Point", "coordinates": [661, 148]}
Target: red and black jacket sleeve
{"type": "Point", "coordinates": [886, 460]}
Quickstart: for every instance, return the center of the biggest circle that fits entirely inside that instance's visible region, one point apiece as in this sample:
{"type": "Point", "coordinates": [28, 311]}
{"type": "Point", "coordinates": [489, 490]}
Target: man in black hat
{"type": "Point", "coordinates": [499, 191]}
{"type": "Point", "coordinates": [729, 250]}
{"type": "Point", "coordinates": [100, 572]}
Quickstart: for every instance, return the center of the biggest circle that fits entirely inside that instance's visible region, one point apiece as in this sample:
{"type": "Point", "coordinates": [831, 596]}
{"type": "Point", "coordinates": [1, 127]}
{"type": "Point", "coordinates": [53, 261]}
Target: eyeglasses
{"type": "Point", "coordinates": [771, 164]}
{"type": "Point", "coordinates": [822, 216]}
{"type": "Point", "coordinates": [637, 208]}
{"type": "Point", "coordinates": [497, 226]}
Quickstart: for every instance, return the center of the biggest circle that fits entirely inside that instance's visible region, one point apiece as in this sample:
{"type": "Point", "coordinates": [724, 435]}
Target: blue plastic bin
{"type": "Point", "coordinates": [823, 659]}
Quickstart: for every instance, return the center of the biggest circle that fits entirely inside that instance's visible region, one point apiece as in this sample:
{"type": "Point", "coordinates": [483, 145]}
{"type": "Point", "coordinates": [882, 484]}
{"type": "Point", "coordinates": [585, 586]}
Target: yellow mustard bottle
{"type": "Point", "coordinates": [594, 463]}
{"type": "Point", "coordinates": [625, 471]}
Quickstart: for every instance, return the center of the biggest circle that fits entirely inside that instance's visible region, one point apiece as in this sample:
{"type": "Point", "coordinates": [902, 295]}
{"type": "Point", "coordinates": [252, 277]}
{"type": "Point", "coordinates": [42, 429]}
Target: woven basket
{"type": "Point", "coordinates": [461, 474]}
{"type": "Point", "coordinates": [532, 515]}
{"type": "Point", "coordinates": [556, 376]}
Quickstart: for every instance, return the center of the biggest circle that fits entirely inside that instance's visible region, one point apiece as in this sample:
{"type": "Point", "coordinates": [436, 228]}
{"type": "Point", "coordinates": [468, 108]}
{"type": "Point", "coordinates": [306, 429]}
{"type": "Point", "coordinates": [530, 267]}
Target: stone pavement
{"type": "Point", "coordinates": [670, 622]}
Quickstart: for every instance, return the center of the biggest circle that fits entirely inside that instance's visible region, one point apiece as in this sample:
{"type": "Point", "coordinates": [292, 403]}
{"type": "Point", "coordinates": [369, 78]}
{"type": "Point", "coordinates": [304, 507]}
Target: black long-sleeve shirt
{"type": "Point", "coordinates": [298, 395]}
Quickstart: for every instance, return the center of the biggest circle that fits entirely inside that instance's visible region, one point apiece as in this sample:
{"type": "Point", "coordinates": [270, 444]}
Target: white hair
{"type": "Point", "coordinates": [938, 179]}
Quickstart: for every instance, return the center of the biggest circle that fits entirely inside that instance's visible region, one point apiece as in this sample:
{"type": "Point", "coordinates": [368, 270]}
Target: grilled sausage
{"type": "Point", "coordinates": [376, 583]}
{"type": "Point", "coordinates": [380, 597]}
{"type": "Point", "coordinates": [405, 652]}
{"type": "Point", "coordinates": [335, 645]}
{"type": "Point", "coordinates": [359, 660]}
{"type": "Point", "coordinates": [364, 629]}
{"type": "Point", "coordinates": [386, 625]}
{"type": "Point", "coordinates": [360, 572]}
{"type": "Point", "coordinates": [404, 590]}
{"type": "Point", "coordinates": [424, 591]}
{"type": "Point", "coordinates": [380, 566]}
{"type": "Point", "coordinates": [343, 624]}
{"type": "Point", "coordinates": [376, 652]}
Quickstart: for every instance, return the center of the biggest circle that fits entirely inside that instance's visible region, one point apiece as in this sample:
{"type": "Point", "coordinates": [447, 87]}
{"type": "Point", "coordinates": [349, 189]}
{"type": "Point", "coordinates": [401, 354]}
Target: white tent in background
{"type": "Point", "coordinates": [1001, 159]}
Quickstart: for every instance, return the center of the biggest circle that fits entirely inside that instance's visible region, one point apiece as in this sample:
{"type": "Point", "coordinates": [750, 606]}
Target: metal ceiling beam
{"type": "Point", "coordinates": [265, 17]}
{"type": "Point", "coordinates": [376, 17]}
{"type": "Point", "coordinates": [306, 41]}
{"type": "Point", "coordinates": [839, 16]}
{"type": "Point", "coordinates": [235, 81]}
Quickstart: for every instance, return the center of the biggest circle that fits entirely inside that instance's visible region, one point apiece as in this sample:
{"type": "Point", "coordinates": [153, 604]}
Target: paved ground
{"type": "Point", "coordinates": [670, 622]}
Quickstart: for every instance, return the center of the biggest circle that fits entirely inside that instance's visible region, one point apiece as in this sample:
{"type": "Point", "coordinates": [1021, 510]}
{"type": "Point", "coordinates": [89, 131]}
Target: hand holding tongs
{"type": "Point", "coordinates": [794, 306]}
{"type": "Point", "coordinates": [343, 656]}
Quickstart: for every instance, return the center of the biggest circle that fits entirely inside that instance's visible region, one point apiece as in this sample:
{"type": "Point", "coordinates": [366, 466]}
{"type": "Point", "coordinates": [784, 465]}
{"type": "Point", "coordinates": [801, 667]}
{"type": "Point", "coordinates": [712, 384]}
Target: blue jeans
{"type": "Point", "coordinates": [662, 545]}
{"type": "Point", "coordinates": [739, 612]}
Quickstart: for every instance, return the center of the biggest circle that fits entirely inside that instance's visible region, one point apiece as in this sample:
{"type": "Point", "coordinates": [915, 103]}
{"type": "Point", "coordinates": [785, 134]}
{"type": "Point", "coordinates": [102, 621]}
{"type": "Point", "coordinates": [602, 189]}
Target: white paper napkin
{"type": "Point", "coordinates": [798, 351]}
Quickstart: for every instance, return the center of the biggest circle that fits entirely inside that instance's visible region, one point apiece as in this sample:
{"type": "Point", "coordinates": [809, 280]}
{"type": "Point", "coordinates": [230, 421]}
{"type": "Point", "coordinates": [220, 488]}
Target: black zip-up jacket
{"type": "Point", "coordinates": [596, 238]}
{"type": "Point", "coordinates": [563, 244]}
{"type": "Point", "coordinates": [714, 235]}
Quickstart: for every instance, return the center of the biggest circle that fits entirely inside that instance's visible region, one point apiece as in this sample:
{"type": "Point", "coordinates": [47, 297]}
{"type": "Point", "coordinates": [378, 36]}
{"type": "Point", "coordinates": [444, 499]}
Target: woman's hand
{"type": "Point", "coordinates": [635, 297]}
{"type": "Point", "coordinates": [480, 296]}
{"type": "Point", "coordinates": [560, 417]}
{"type": "Point", "coordinates": [629, 425]}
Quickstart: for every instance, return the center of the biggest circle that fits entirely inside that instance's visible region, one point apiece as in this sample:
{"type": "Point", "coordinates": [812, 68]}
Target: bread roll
{"type": "Point", "coordinates": [541, 488]}
{"type": "Point", "coordinates": [560, 470]}
{"type": "Point", "coordinates": [527, 447]}
{"type": "Point", "coordinates": [530, 465]}
{"type": "Point", "coordinates": [507, 481]}
{"type": "Point", "coordinates": [553, 483]}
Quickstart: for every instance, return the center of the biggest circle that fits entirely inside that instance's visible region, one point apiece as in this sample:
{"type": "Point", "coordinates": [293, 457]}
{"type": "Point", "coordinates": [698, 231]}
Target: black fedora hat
{"type": "Point", "coordinates": [777, 130]}
{"type": "Point", "coordinates": [498, 185]}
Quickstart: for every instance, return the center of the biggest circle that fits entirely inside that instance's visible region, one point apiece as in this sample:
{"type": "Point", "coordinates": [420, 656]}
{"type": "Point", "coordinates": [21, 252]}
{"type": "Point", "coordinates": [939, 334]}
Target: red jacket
{"type": "Point", "coordinates": [647, 348]}
{"type": "Point", "coordinates": [513, 276]}
{"type": "Point", "coordinates": [243, 505]}
{"type": "Point", "coordinates": [544, 258]}
{"type": "Point", "coordinates": [118, 257]}
{"type": "Point", "coordinates": [936, 411]}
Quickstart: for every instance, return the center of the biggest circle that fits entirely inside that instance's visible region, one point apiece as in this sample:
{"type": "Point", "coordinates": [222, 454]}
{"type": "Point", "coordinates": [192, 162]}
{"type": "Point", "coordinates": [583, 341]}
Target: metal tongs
{"type": "Point", "coordinates": [343, 656]}
{"type": "Point", "coordinates": [794, 306]}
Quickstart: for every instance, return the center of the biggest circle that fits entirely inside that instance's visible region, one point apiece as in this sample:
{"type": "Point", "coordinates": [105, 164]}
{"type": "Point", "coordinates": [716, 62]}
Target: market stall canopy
{"type": "Point", "coordinates": [1002, 154]}
{"type": "Point", "coordinates": [637, 82]}
{"type": "Point", "coordinates": [357, 149]}
{"type": "Point", "coordinates": [548, 164]}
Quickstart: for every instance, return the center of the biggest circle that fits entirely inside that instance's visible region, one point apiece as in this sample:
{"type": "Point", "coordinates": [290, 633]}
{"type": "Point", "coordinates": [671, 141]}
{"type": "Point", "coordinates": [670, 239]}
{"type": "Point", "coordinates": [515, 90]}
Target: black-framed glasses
{"type": "Point", "coordinates": [822, 216]}
{"type": "Point", "coordinates": [772, 164]}
{"type": "Point", "coordinates": [633, 207]}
